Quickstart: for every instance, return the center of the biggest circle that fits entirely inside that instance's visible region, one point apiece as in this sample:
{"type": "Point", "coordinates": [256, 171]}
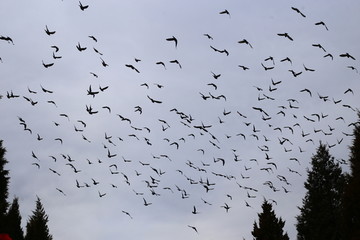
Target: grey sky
{"type": "Point", "coordinates": [126, 30]}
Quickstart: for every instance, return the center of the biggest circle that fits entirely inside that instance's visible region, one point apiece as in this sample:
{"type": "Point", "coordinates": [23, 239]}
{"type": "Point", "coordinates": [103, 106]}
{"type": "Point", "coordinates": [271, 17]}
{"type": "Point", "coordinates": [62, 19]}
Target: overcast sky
{"type": "Point", "coordinates": [199, 131]}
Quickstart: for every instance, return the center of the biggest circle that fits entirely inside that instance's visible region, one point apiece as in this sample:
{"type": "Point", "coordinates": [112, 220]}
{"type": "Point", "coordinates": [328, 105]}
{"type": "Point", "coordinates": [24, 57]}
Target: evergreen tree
{"type": "Point", "coordinates": [4, 183]}
{"type": "Point", "coordinates": [270, 227]}
{"type": "Point", "coordinates": [36, 227]}
{"type": "Point", "coordinates": [13, 221]}
{"type": "Point", "coordinates": [320, 214]}
{"type": "Point", "coordinates": [351, 213]}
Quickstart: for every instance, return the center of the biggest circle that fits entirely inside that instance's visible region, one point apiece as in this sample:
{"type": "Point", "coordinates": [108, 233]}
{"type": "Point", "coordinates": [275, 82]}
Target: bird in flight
{"type": "Point", "coordinates": [194, 228]}
{"type": "Point", "coordinates": [48, 32]}
{"type": "Point", "coordinates": [322, 23]}
{"type": "Point", "coordinates": [47, 65]}
{"type": "Point", "coordinates": [78, 46]}
{"type": "Point", "coordinates": [286, 35]}
{"type": "Point", "coordinates": [225, 12]}
{"type": "Point", "coordinates": [93, 38]}
{"type": "Point", "coordinates": [347, 55]}
{"type": "Point", "coordinates": [245, 42]}
{"type": "Point", "coordinates": [132, 67]}
{"type": "Point", "coordinates": [208, 36]}
{"type": "Point", "coordinates": [83, 7]}
{"type": "Point", "coordinates": [153, 100]}
{"type": "Point", "coordinates": [298, 11]}
{"type": "Point", "coordinates": [174, 39]}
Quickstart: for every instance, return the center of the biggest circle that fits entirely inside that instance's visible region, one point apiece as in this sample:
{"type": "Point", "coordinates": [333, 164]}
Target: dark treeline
{"type": "Point", "coordinates": [330, 208]}
{"type": "Point", "coordinates": [10, 218]}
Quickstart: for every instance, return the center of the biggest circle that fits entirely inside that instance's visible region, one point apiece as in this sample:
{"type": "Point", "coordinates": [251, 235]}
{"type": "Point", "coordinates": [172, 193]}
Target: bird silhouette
{"type": "Point", "coordinates": [153, 100]}
{"type": "Point", "coordinates": [347, 55]}
{"type": "Point", "coordinates": [225, 12]}
{"type": "Point", "coordinates": [286, 35]}
{"type": "Point", "coordinates": [47, 65]}
{"type": "Point", "coordinates": [244, 41]}
{"type": "Point", "coordinates": [323, 24]}
{"type": "Point", "coordinates": [48, 32]}
{"type": "Point", "coordinates": [83, 7]}
{"type": "Point", "coordinates": [132, 67]}
{"type": "Point", "coordinates": [78, 46]}
{"type": "Point", "coordinates": [298, 11]}
{"type": "Point", "coordinates": [208, 36]}
{"type": "Point", "coordinates": [194, 228]}
{"type": "Point", "coordinates": [173, 39]}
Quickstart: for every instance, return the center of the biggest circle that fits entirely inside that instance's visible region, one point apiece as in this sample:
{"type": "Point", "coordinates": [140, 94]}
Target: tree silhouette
{"type": "Point", "coordinates": [36, 227]}
{"type": "Point", "coordinates": [270, 227]}
{"type": "Point", "coordinates": [351, 201]}
{"type": "Point", "coordinates": [13, 221]}
{"type": "Point", "coordinates": [320, 214]}
{"type": "Point", "coordinates": [4, 183]}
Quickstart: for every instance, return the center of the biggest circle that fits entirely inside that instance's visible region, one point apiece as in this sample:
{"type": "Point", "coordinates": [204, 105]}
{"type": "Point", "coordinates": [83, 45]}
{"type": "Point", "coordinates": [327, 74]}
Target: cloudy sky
{"type": "Point", "coordinates": [228, 116]}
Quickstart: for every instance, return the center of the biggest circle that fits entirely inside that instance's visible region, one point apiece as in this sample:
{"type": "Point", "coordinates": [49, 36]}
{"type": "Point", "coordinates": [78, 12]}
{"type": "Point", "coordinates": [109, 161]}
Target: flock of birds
{"type": "Point", "coordinates": [212, 157]}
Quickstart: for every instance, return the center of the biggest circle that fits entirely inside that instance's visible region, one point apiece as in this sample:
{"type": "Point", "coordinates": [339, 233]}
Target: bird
{"type": "Point", "coordinates": [111, 155]}
{"type": "Point", "coordinates": [83, 7]}
{"type": "Point", "coordinates": [245, 42]}
{"type": "Point", "coordinates": [78, 46]}
{"type": "Point", "coordinates": [306, 90]}
{"type": "Point", "coordinates": [48, 32]}
{"type": "Point", "coordinates": [97, 51]}
{"type": "Point", "coordinates": [127, 213]}
{"type": "Point", "coordinates": [56, 57]}
{"type": "Point", "coordinates": [55, 47]}
{"type": "Point", "coordinates": [216, 76]}
{"type": "Point", "coordinates": [61, 191]}
{"type": "Point", "coordinates": [174, 39]}
{"type": "Point", "coordinates": [208, 36]}
{"type": "Point", "coordinates": [101, 194]}
{"type": "Point", "coordinates": [132, 67]}
{"type": "Point", "coordinates": [36, 164]}
{"type": "Point", "coordinates": [47, 65]}
{"type": "Point", "coordinates": [177, 62]}
{"type": "Point", "coordinates": [104, 63]}
{"type": "Point", "coordinates": [194, 228]}
{"type": "Point", "coordinates": [329, 55]}
{"type": "Point", "coordinates": [194, 211]}
{"type": "Point", "coordinates": [349, 90]}
{"type": "Point", "coordinates": [286, 35]}
{"type": "Point", "coordinates": [94, 74]}
{"type": "Point", "coordinates": [298, 11]}
{"type": "Point", "coordinates": [95, 182]}
{"type": "Point", "coordinates": [8, 39]}
{"type": "Point", "coordinates": [286, 59]}
{"type": "Point", "coordinates": [295, 74]}
{"type": "Point", "coordinates": [153, 100]}
{"type": "Point", "coordinates": [93, 38]}
{"type": "Point", "coordinates": [270, 59]}
{"type": "Point", "coordinates": [352, 68]}
{"type": "Point", "coordinates": [161, 63]}
{"type": "Point", "coordinates": [226, 206]}
{"type": "Point", "coordinates": [243, 67]}
{"type": "Point", "coordinates": [319, 46]}
{"type": "Point", "coordinates": [308, 69]}
{"type": "Point", "coordinates": [213, 85]}
{"type": "Point", "coordinates": [266, 68]}
{"type": "Point", "coordinates": [275, 83]}
{"type": "Point", "coordinates": [220, 51]}
{"type": "Point", "coordinates": [347, 55]}
{"type": "Point", "coordinates": [225, 12]}
{"type": "Point", "coordinates": [261, 110]}
{"type": "Point", "coordinates": [323, 24]}
{"type": "Point", "coordinates": [52, 170]}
